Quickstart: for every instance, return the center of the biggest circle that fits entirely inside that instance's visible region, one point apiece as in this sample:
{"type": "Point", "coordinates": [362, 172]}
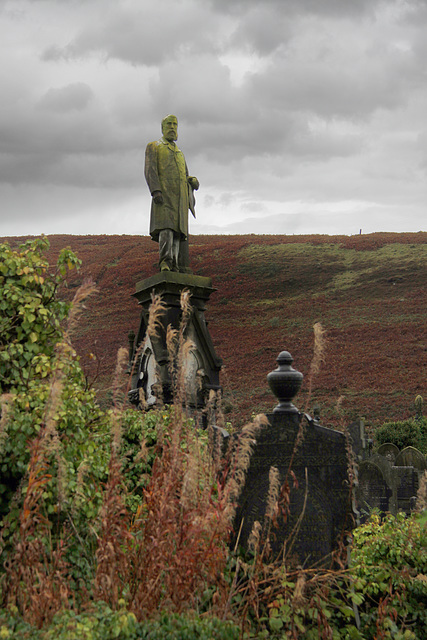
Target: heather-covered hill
{"type": "Point", "coordinates": [368, 291]}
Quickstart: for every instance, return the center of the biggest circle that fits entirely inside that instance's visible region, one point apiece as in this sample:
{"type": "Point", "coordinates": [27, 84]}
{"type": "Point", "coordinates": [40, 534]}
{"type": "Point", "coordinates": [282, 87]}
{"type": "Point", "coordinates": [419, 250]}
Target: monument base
{"type": "Point", "coordinates": [154, 370]}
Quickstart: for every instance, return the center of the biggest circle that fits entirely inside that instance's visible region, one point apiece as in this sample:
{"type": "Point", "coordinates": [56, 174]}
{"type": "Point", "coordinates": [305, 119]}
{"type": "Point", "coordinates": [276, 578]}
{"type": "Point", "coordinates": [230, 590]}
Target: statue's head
{"type": "Point", "coordinates": [170, 128]}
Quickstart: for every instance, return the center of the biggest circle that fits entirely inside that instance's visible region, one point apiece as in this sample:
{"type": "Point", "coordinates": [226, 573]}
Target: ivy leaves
{"type": "Point", "coordinates": [30, 312]}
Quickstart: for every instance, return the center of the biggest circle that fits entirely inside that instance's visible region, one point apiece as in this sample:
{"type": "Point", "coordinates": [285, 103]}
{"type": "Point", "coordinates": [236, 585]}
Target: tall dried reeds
{"type": "Point", "coordinates": [36, 574]}
{"type": "Point", "coordinates": [112, 557]}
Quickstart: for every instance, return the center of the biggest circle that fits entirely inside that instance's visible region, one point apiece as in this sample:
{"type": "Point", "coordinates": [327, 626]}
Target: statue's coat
{"type": "Point", "coordinates": [166, 171]}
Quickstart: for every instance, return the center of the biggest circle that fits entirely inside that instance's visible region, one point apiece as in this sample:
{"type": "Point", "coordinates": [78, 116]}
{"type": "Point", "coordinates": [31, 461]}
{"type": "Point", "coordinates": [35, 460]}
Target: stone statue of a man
{"type": "Point", "coordinates": [171, 189]}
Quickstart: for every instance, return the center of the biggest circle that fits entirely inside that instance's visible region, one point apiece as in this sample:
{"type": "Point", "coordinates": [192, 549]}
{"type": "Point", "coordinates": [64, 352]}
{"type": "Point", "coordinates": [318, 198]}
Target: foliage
{"type": "Point", "coordinates": [31, 312]}
{"type": "Point", "coordinates": [47, 400]}
{"type": "Point", "coordinates": [100, 622]}
{"type": "Point", "coordinates": [131, 512]}
{"type": "Point", "coordinates": [389, 563]}
{"type": "Point", "coordinates": [382, 594]}
{"type": "Point", "coordinates": [404, 433]}
{"type": "Point", "coordinates": [140, 434]}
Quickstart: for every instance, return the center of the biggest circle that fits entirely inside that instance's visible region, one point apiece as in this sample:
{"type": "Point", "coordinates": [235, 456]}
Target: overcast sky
{"type": "Point", "coordinates": [296, 116]}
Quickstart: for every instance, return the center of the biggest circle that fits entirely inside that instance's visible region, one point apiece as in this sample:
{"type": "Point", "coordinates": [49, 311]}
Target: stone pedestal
{"type": "Point", "coordinates": [149, 358]}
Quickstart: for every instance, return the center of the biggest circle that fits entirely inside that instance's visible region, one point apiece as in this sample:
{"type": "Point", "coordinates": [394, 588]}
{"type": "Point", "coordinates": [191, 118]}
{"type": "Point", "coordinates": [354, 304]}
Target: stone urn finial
{"type": "Point", "coordinates": [285, 382]}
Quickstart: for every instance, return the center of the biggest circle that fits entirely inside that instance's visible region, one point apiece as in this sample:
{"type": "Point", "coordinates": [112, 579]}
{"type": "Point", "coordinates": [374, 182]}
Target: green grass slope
{"type": "Point", "coordinates": [368, 291]}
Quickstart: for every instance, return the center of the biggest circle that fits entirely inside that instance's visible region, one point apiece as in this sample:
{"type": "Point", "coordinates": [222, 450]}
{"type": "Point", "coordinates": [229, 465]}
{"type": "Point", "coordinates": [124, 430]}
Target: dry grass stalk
{"type": "Point", "coordinates": [254, 538]}
{"type": "Point", "coordinates": [87, 288]}
{"type": "Point", "coordinates": [186, 309]}
{"type": "Point", "coordinates": [112, 554]}
{"type": "Point", "coordinates": [240, 463]}
{"type": "Point", "coordinates": [319, 352]}
{"type": "Point", "coordinates": [183, 386]}
{"type": "Point", "coordinates": [215, 422]}
{"type": "Point", "coordinates": [156, 311]}
{"type": "Point", "coordinates": [190, 483]}
{"type": "Point", "coordinates": [422, 493]}
{"type": "Point", "coordinates": [298, 599]}
{"type": "Point", "coordinates": [82, 470]}
{"type": "Point", "coordinates": [50, 440]}
{"type": "Point", "coordinates": [171, 346]}
{"type": "Point", "coordinates": [36, 578]}
{"type": "Point", "coordinates": [272, 508]}
{"type": "Point", "coordinates": [181, 544]}
{"type": "Point", "coordinates": [117, 412]}
{"type": "Point", "coordinates": [179, 356]}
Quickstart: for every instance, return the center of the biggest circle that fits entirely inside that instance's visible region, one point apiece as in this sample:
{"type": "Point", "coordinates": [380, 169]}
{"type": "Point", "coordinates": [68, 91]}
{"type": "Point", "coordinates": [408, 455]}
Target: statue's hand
{"type": "Point", "coordinates": [158, 197]}
{"type": "Point", "coordinates": [193, 182]}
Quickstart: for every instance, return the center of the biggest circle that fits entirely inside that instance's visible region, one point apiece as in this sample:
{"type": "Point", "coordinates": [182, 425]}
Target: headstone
{"type": "Point", "coordinates": [411, 457]}
{"type": "Point", "coordinates": [315, 471]}
{"type": "Point", "coordinates": [389, 451]}
{"type": "Point", "coordinates": [405, 486]}
{"type": "Point", "coordinates": [372, 492]}
{"type": "Point", "coordinates": [358, 438]}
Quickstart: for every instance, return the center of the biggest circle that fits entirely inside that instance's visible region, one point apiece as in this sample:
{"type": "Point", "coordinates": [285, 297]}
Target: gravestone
{"type": "Point", "coordinates": [373, 491]}
{"type": "Point", "coordinates": [359, 442]}
{"type": "Point", "coordinates": [411, 457]}
{"type": "Point", "coordinates": [389, 451]}
{"type": "Point", "coordinates": [389, 480]}
{"type": "Point", "coordinates": [316, 471]}
{"type": "Point", "coordinates": [405, 488]}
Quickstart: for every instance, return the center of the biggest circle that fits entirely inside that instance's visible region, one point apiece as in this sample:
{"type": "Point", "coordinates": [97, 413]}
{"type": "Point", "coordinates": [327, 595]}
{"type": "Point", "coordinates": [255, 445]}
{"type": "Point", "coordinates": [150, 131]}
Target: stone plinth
{"type": "Point", "coordinates": [150, 360]}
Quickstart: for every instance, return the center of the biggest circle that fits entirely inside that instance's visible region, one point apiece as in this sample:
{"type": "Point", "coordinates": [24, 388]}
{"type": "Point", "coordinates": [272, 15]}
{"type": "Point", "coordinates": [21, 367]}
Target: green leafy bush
{"type": "Point", "coordinates": [102, 623]}
{"type": "Point", "coordinates": [404, 433]}
{"type": "Point", "coordinates": [30, 311]}
{"type": "Point", "coordinates": [389, 563]}
{"type": "Point", "coordinates": [44, 389]}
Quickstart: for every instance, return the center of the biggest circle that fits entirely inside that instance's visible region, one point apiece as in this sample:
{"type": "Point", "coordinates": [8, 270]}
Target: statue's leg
{"type": "Point", "coordinates": [184, 257]}
{"type": "Point", "coordinates": [175, 252]}
{"type": "Point", "coordinates": [166, 249]}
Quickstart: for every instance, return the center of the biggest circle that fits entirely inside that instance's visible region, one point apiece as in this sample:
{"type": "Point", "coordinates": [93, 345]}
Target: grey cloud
{"type": "Point", "coordinates": [413, 12]}
{"type": "Point", "coordinates": [253, 207]}
{"type": "Point", "coordinates": [146, 36]}
{"type": "Point", "coordinates": [81, 169]}
{"type": "Point", "coordinates": [330, 86]}
{"type": "Point", "coordinates": [69, 98]}
{"type": "Point", "coordinates": [260, 30]}
{"type": "Point", "coordinates": [83, 147]}
{"type": "Point", "coordinates": [227, 124]}
{"type": "Point", "coordinates": [327, 144]}
{"type": "Point", "coordinates": [317, 7]}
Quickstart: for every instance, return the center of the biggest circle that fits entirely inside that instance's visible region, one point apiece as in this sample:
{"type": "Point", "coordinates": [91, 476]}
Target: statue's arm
{"type": "Point", "coordinates": [192, 180]}
{"type": "Point", "coordinates": [150, 169]}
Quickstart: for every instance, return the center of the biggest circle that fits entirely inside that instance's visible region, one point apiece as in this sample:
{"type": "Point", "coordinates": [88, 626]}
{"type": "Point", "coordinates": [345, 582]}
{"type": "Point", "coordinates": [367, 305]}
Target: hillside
{"type": "Point", "coordinates": [368, 291]}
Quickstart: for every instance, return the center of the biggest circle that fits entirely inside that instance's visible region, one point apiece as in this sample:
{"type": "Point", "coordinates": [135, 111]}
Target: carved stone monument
{"type": "Point", "coordinates": [150, 365]}
{"type": "Point", "coordinates": [151, 371]}
{"type": "Point", "coordinates": [315, 469]}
